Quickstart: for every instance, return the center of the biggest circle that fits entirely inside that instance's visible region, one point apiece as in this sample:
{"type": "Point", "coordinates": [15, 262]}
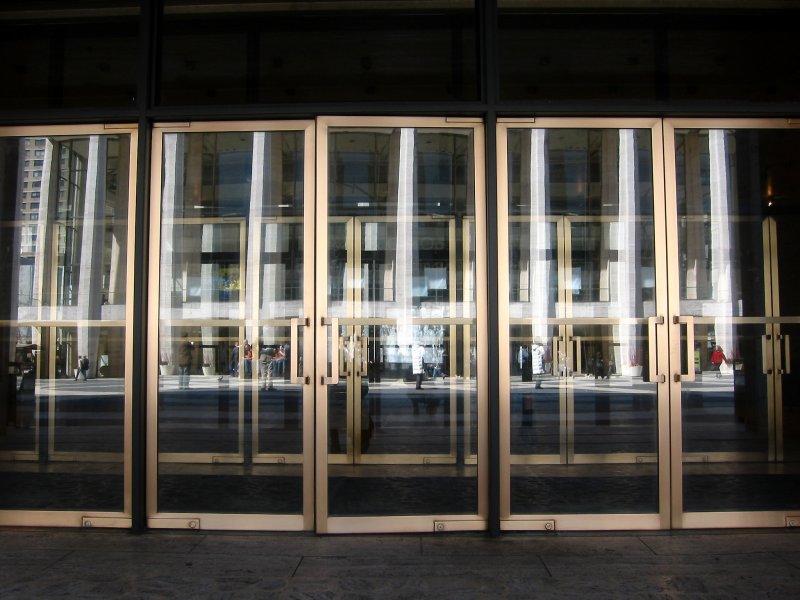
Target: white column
{"type": "Point", "coordinates": [171, 233]}
{"type": "Point", "coordinates": [628, 264]}
{"type": "Point", "coordinates": [540, 242]}
{"type": "Point", "coordinates": [721, 210]}
{"type": "Point", "coordinates": [405, 237]}
{"type": "Point", "coordinates": [90, 278]}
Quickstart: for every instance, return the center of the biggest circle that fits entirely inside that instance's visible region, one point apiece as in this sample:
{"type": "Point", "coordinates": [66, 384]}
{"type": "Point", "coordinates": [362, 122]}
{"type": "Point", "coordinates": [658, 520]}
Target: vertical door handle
{"type": "Point", "coordinates": [364, 348]}
{"type": "Point", "coordinates": [333, 322]}
{"type": "Point", "coordinates": [689, 322]}
{"type": "Point", "coordinates": [652, 349]}
{"type": "Point", "coordinates": [360, 358]}
{"type": "Point", "coordinates": [578, 355]}
{"type": "Point", "coordinates": [787, 355]}
{"type": "Point", "coordinates": [766, 354]}
{"type": "Point", "coordinates": [295, 351]}
{"type": "Point", "coordinates": [556, 357]}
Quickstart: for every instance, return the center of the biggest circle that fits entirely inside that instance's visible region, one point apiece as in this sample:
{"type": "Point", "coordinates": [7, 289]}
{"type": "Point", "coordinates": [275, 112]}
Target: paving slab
{"type": "Point", "coordinates": [313, 545]}
{"type": "Point", "coordinates": [723, 543]}
{"type": "Point", "coordinates": [512, 544]}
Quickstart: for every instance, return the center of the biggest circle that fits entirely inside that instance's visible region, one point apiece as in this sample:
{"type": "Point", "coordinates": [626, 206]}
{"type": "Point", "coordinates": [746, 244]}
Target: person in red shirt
{"type": "Point", "coordinates": [717, 358]}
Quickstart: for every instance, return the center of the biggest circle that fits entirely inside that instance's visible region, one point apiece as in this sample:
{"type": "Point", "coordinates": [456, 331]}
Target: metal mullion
{"type": "Point", "coordinates": [320, 331]}
{"type": "Point", "coordinates": [662, 341]}
{"type": "Point", "coordinates": [775, 390]}
{"type": "Point", "coordinates": [673, 328]}
{"type": "Point", "coordinates": [503, 220]}
{"type": "Point", "coordinates": [138, 293]}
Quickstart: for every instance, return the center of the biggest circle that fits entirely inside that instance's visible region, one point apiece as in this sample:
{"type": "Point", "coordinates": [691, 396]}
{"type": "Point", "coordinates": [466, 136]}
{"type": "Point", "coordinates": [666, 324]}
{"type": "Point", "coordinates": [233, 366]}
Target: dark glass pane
{"type": "Point", "coordinates": [82, 56]}
{"type": "Point", "coordinates": [688, 57]}
{"type": "Point", "coordinates": [735, 58]}
{"type": "Point", "coordinates": [573, 57]}
{"type": "Point", "coordinates": [341, 55]}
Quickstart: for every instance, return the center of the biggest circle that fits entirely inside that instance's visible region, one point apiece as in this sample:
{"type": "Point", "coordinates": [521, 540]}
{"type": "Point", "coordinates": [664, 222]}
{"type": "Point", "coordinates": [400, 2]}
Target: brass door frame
{"type": "Point", "coordinates": [79, 518]}
{"type": "Point", "coordinates": [676, 320]}
{"type": "Point", "coordinates": [194, 520]}
{"type": "Point", "coordinates": [325, 523]}
{"type": "Point", "coordinates": [509, 520]}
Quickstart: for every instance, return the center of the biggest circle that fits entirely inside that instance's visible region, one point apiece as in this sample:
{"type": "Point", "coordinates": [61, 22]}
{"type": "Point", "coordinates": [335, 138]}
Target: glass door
{"type": "Point", "coordinates": [735, 312]}
{"type": "Point", "coordinates": [66, 202]}
{"type": "Point", "coordinates": [582, 399]}
{"type": "Point", "coordinates": [399, 404]}
{"type": "Point", "coordinates": [230, 396]}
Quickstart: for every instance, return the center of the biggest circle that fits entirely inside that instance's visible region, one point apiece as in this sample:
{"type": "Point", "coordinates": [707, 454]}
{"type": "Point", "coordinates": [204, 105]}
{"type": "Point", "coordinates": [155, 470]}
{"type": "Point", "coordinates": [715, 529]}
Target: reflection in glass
{"type": "Point", "coordinates": [229, 418]}
{"type": "Point", "coordinates": [737, 217]}
{"type": "Point", "coordinates": [64, 205]}
{"type": "Point", "coordinates": [582, 279]}
{"type": "Point", "coordinates": [402, 421]}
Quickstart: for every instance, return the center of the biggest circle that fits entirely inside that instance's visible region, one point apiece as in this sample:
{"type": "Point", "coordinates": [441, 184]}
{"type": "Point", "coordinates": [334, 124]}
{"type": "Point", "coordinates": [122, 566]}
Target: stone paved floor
{"type": "Point", "coordinates": [194, 565]}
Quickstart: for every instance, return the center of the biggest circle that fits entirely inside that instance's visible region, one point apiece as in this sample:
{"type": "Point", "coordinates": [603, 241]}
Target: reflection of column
{"type": "Point", "coordinates": [119, 240]}
{"type": "Point", "coordinates": [696, 275]}
{"type": "Point", "coordinates": [90, 282]}
{"type": "Point", "coordinates": [48, 201]}
{"type": "Point", "coordinates": [405, 234]}
{"type": "Point", "coordinates": [265, 191]}
{"type": "Point", "coordinates": [540, 243]}
{"type": "Point", "coordinates": [628, 248]}
{"type": "Point", "coordinates": [611, 174]}
{"type": "Point", "coordinates": [171, 294]}
{"type": "Point", "coordinates": [721, 206]}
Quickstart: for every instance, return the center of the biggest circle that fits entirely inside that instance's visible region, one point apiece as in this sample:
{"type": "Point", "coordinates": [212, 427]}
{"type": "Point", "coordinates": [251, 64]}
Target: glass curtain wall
{"type": "Point", "coordinates": [231, 305]}
{"type": "Point", "coordinates": [65, 199]}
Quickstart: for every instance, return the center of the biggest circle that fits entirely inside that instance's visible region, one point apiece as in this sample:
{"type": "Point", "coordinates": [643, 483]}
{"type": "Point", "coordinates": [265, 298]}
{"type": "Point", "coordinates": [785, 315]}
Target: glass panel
{"type": "Point", "coordinates": [575, 57]}
{"type": "Point", "coordinates": [403, 419]}
{"type": "Point", "coordinates": [267, 52]}
{"type": "Point", "coordinates": [737, 211]}
{"type": "Point", "coordinates": [76, 54]}
{"type": "Point", "coordinates": [230, 420]}
{"type": "Point", "coordinates": [743, 58]}
{"type": "Point", "coordinates": [64, 209]}
{"type": "Point", "coordinates": [584, 426]}
{"type": "Point", "coordinates": [546, 53]}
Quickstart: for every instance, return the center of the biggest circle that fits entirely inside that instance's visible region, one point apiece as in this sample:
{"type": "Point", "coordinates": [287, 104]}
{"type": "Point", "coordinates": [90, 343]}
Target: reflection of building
{"type": "Point", "coordinates": [72, 236]}
{"type": "Point", "coordinates": [328, 185]}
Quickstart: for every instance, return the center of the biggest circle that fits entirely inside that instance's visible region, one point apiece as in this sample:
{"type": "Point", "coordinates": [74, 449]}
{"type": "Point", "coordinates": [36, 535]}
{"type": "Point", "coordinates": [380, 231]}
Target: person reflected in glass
{"type": "Point", "coordinates": [717, 358]}
{"type": "Point", "coordinates": [233, 365]}
{"type": "Point", "coordinates": [247, 353]}
{"type": "Point", "coordinates": [418, 363]}
{"type": "Point", "coordinates": [287, 357]}
{"type": "Point", "coordinates": [278, 362]}
{"type": "Point", "coordinates": [537, 362]}
{"type": "Point", "coordinates": [524, 362]}
{"type": "Point", "coordinates": [185, 356]}
{"type": "Point", "coordinates": [265, 367]}
{"type": "Point", "coordinates": [82, 368]}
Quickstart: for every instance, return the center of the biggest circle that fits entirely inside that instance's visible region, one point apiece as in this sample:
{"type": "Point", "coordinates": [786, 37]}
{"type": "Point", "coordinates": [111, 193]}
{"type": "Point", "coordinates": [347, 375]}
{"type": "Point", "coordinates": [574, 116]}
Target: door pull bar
{"type": "Point", "coordinates": [294, 350]}
{"type": "Point", "coordinates": [333, 323]}
{"type": "Point", "coordinates": [689, 322]}
{"type": "Point", "coordinates": [787, 355]}
{"type": "Point", "coordinates": [652, 350]}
